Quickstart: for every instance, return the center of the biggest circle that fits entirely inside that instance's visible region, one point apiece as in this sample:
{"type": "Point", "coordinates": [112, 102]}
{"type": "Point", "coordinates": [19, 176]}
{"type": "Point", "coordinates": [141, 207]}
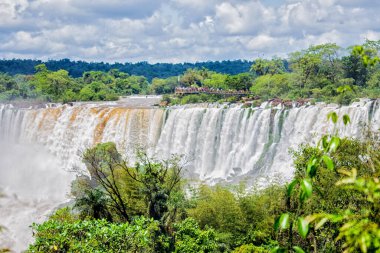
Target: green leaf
{"type": "Point", "coordinates": [306, 187]}
{"type": "Point", "coordinates": [325, 143]}
{"type": "Point", "coordinates": [311, 169]}
{"type": "Point", "coordinates": [291, 186]}
{"type": "Point", "coordinates": [334, 144]}
{"type": "Point", "coordinates": [344, 88]}
{"type": "Point", "coordinates": [282, 222]}
{"type": "Point", "coordinates": [298, 249]}
{"type": "Point", "coordinates": [346, 119]}
{"type": "Point", "coordinates": [277, 223]}
{"type": "Point", "coordinates": [278, 249]}
{"type": "Point", "coordinates": [329, 163]}
{"type": "Point", "coordinates": [333, 116]}
{"type": "Point", "coordinates": [303, 227]}
{"type": "Point", "coordinates": [321, 223]}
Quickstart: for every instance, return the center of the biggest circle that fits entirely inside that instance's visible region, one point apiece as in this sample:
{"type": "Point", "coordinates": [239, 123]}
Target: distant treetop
{"type": "Point", "coordinates": [150, 71]}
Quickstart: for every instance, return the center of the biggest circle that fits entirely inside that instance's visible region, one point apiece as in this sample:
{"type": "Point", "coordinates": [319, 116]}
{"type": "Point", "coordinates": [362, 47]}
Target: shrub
{"type": "Point", "coordinates": [97, 236]}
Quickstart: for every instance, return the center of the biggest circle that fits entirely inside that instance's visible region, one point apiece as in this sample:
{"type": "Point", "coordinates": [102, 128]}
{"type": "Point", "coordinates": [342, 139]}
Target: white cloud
{"type": "Point", "coordinates": [261, 42]}
{"type": "Point", "coordinates": [243, 18]}
{"type": "Point", "coordinates": [179, 30]}
{"type": "Point", "coordinates": [370, 35]}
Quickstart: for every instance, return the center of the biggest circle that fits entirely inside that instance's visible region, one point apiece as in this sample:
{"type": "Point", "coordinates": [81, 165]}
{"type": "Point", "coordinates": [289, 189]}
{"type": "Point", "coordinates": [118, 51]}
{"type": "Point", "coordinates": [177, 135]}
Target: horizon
{"type": "Point", "coordinates": [179, 31]}
{"type": "Point", "coordinates": [341, 52]}
{"type": "Point", "coordinates": [137, 62]}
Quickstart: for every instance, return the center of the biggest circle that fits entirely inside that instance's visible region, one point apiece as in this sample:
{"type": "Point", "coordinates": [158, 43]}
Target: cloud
{"type": "Point", "coordinates": [244, 18]}
{"type": "Point", "coordinates": [179, 30]}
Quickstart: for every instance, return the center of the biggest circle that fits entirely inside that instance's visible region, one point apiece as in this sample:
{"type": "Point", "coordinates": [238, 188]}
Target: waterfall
{"type": "Point", "coordinates": [220, 143]}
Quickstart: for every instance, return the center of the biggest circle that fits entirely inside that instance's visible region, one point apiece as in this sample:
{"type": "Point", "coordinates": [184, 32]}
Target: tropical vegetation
{"type": "Point", "coordinates": [318, 73]}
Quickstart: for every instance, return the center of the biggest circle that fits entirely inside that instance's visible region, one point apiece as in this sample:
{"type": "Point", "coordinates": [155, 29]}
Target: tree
{"type": "Point", "coordinates": [216, 80]}
{"type": "Point", "coordinates": [52, 84]}
{"type": "Point", "coordinates": [270, 86]}
{"type": "Point", "coordinates": [163, 86]}
{"type": "Point", "coordinates": [192, 77]}
{"type": "Point", "coordinates": [315, 64]}
{"type": "Point", "coordinates": [93, 203]}
{"type": "Point", "coordinates": [102, 162]}
{"type": "Point", "coordinates": [320, 214]}
{"type": "Point", "coordinates": [239, 82]}
{"type": "Point", "coordinates": [354, 68]}
{"type": "Point", "coordinates": [141, 235]}
{"type": "Point", "coordinates": [264, 67]}
{"type": "Point", "coordinates": [154, 182]}
{"type": "Point", "coordinates": [189, 238]}
{"type": "Point", "coordinates": [6, 82]}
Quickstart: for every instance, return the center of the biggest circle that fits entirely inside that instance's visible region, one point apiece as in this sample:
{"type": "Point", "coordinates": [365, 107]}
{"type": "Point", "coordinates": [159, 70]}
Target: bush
{"type": "Point", "coordinates": [190, 99]}
{"type": "Point", "coordinates": [97, 236]}
{"type": "Point", "coordinates": [191, 239]}
{"type": "Point", "coordinates": [250, 248]}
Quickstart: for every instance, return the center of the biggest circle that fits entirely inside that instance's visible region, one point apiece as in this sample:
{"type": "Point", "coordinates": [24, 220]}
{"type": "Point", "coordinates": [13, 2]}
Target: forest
{"type": "Point", "coordinates": [150, 71]}
{"type": "Point", "coordinates": [319, 73]}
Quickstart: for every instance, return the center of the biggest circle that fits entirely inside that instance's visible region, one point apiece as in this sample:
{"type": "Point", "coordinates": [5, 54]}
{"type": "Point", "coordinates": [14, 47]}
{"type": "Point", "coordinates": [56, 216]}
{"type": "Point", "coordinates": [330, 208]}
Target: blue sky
{"type": "Point", "coordinates": [179, 30]}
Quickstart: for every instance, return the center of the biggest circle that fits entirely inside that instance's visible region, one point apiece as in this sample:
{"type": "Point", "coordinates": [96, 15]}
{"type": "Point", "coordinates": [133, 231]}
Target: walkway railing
{"type": "Point", "coordinates": [191, 90]}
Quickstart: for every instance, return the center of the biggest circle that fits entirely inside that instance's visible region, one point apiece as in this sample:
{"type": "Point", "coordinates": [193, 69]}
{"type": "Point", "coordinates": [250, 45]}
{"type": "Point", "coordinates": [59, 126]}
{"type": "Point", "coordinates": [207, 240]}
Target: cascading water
{"type": "Point", "coordinates": [219, 143]}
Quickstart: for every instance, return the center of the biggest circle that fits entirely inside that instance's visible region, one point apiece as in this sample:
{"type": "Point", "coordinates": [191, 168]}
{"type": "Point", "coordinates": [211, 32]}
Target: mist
{"type": "Point", "coordinates": [33, 184]}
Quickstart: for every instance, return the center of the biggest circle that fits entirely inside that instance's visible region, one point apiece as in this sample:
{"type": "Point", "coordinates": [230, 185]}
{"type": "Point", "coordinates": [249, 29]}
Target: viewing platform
{"type": "Point", "coordinates": [192, 90]}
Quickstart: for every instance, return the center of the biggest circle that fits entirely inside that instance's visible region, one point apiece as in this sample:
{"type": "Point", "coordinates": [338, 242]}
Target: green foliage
{"type": "Point", "coordinates": [238, 217]}
{"type": "Point", "coordinates": [64, 215]}
{"type": "Point", "coordinates": [150, 71]}
{"type": "Point", "coordinates": [218, 208]}
{"type": "Point", "coordinates": [163, 86]}
{"type": "Point", "coordinates": [271, 86]}
{"type": "Point", "coordinates": [150, 187]}
{"type": "Point", "coordinates": [239, 82]}
{"type": "Point", "coordinates": [335, 210]}
{"type": "Point", "coordinates": [216, 80]}
{"type": "Point", "coordinates": [193, 77]}
{"type": "Point", "coordinates": [59, 86]}
{"type": "Point", "coordinates": [265, 67]}
{"type": "Point", "coordinates": [196, 98]}
{"type": "Point", "coordinates": [96, 236]}
{"type": "Point", "coordinates": [315, 64]}
{"type": "Point", "coordinates": [316, 72]}
{"type": "Point", "coordinates": [93, 203]}
{"type": "Point", "coordinates": [250, 248]}
{"type": "Point", "coordinates": [189, 238]}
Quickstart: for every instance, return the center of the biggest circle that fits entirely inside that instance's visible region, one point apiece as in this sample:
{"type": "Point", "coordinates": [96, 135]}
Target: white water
{"type": "Point", "coordinates": [33, 186]}
{"type": "Point", "coordinates": [221, 144]}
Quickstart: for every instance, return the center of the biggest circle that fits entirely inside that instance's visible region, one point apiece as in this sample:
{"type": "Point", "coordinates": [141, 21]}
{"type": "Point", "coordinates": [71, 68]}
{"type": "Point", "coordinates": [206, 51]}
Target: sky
{"type": "Point", "coordinates": [180, 30]}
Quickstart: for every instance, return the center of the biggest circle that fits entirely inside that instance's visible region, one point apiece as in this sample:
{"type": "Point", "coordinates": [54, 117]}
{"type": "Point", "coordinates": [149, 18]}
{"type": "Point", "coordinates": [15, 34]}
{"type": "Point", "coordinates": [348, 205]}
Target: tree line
{"type": "Point", "coordinates": [324, 72]}
{"type": "Point", "coordinates": [150, 71]}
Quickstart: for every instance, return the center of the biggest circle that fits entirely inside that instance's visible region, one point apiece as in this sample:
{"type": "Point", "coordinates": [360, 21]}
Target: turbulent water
{"type": "Point", "coordinates": [219, 143]}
